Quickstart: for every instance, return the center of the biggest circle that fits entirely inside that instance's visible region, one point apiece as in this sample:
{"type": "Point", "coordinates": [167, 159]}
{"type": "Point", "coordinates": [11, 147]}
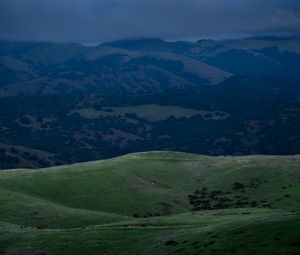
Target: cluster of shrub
{"type": "Point", "coordinates": [205, 199]}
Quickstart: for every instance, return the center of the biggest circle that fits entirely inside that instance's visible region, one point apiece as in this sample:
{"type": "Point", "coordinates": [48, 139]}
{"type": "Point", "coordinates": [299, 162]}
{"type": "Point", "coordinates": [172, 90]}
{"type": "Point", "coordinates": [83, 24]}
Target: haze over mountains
{"type": "Point", "coordinates": [227, 97]}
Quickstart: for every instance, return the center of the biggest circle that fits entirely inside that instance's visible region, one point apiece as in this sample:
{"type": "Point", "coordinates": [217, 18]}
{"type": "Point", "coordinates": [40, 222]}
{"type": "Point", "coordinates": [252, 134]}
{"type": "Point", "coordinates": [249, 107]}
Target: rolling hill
{"type": "Point", "coordinates": [154, 203]}
{"type": "Point", "coordinates": [143, 65]}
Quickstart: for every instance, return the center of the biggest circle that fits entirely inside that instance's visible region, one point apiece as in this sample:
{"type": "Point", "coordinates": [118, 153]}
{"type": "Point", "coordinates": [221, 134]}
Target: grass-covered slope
{"type": "Point", "coordinates": [233, 232]}
{"type": "Point", "coordinates": [154, 203]}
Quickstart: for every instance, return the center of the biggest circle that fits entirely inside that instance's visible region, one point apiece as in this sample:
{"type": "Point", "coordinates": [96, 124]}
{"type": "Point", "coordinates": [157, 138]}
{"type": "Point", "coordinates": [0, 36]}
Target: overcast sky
{"type": "Point", "coordinates": [93, 21]}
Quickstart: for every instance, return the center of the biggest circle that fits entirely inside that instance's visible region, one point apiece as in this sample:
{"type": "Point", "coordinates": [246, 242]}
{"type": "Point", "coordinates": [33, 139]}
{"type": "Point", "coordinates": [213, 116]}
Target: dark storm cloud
{"type": "Point", "coordinates": [102, 20]}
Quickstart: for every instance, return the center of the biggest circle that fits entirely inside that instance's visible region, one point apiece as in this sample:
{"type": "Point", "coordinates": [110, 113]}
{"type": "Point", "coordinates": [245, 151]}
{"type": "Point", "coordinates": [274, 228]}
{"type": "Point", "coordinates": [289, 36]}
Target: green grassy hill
{"type": "Point", "coordinates": [154, 203]}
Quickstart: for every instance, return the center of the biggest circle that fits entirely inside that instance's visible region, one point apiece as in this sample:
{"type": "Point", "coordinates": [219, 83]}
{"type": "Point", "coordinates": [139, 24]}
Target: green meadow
{"type": "Point", "coordinates": [154, 203]}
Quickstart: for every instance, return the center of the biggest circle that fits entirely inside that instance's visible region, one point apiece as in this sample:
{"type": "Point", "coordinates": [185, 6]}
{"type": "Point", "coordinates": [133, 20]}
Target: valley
{"type": "Point", "coordinates": [139, 95]}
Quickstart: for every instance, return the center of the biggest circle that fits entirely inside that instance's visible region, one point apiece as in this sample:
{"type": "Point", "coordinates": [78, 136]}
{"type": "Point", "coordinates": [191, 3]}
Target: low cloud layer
{"type": "Point", "coordinates": [94, 21]}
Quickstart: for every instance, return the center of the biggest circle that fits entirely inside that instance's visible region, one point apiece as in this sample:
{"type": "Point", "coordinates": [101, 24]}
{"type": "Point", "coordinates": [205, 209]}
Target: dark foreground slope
{"type": "Point", "coordinates": [154, 203]}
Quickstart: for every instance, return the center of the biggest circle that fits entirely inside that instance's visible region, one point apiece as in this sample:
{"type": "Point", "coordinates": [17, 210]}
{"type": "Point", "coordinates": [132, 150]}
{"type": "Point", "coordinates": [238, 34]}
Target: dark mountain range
{"type": "Point", "coordinates": [64, 103]}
